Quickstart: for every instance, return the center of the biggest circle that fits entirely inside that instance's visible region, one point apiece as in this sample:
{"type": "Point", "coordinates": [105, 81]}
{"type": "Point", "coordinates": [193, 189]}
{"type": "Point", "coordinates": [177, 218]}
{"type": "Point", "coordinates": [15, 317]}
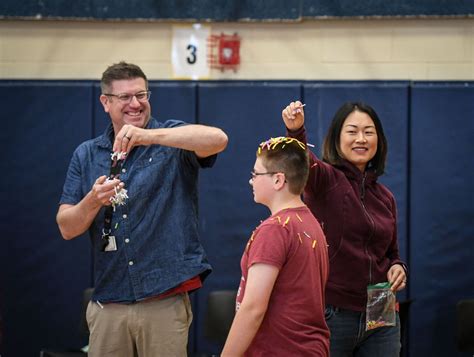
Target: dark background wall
{"type": "Point", "coordinates": [235, 10]}
{"type": "Point", "coordinates": [429, 127]}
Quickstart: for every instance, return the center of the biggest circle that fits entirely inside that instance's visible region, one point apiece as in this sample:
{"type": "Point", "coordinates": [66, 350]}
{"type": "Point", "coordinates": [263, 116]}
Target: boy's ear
{"type": "Point", "coordinates": [279, 180]}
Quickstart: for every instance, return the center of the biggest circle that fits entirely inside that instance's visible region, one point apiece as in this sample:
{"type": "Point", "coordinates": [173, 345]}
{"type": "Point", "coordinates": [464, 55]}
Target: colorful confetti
{"type": "Point", "coordinates": [272, 143]}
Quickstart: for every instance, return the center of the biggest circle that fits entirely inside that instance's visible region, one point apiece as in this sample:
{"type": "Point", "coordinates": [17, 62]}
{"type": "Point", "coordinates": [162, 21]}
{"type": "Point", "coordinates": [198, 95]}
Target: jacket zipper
{"type": "Point", "coordinates": [362, 196]}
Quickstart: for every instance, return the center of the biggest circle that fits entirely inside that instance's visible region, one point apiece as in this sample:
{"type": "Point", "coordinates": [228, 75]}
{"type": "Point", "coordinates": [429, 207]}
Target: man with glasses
{"type": "Point", "coordinates": [134, 189]}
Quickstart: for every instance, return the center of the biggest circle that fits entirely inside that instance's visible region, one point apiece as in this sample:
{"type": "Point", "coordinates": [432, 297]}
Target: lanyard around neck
{"type": "Point", "coordinates": [116, 163]}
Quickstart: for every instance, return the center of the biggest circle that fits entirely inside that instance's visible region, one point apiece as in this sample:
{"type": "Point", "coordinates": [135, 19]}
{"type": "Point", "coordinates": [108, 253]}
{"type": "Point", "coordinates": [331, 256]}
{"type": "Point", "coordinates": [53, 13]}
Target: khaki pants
{"type": "Point", "coordinates": [150, 328]}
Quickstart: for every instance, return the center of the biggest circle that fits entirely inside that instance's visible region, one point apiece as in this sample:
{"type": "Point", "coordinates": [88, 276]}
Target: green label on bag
{"type": "Point", "coordinates": [384, 285]}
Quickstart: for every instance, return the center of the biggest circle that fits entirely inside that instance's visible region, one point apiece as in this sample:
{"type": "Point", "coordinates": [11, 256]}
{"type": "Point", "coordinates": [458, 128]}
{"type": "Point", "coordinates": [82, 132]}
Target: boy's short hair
{"type": "Point", "coordinates": [120, 71]}
{"type": "Point", "coordinates": [289, 156]}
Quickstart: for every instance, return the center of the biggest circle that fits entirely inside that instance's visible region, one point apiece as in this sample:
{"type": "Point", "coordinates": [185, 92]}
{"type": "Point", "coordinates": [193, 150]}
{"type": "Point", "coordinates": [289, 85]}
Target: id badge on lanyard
{"type": "Point", "coordinates": [108, 242]}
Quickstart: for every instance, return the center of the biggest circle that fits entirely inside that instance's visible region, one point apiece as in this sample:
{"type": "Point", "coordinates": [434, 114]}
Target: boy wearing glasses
{"type": "Point", "coordinates": [134, 189]}
{"type": "Point", "coordinates": [280, 302]}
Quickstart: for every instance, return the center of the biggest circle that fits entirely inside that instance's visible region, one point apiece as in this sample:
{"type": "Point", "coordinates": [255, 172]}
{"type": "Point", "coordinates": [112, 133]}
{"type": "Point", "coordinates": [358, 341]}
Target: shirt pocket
{"type": "Point", "coordinates": [151, 173]}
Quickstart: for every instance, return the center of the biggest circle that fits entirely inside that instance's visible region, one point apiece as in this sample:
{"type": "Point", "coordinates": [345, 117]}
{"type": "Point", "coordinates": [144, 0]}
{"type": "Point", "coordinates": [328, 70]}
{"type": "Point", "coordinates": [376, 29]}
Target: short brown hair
{"type": "Point", "coordinates": [289, 156]}
{"type": "Point", "coordinates": [120, 71]}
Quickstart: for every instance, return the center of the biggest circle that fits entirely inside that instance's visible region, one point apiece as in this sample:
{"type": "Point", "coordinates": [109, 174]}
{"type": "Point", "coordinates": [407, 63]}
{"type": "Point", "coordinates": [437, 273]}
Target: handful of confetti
{"type": "Point", "coordinates": [120, 193]}
{"type": "Point", "coordinates": [119, 198]}
{"type": "Point", "coordinates": [118, 155]}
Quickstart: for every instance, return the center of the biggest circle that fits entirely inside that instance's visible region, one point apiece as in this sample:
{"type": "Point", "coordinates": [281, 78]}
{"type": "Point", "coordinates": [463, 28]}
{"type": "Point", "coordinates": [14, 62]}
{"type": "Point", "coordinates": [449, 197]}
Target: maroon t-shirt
{"type": "Point", "coordinates": [294, 323]}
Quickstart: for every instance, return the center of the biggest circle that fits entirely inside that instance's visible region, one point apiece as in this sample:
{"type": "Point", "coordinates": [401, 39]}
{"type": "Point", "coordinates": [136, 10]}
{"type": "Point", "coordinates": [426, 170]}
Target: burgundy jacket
{"type": "Point", "coordinates": [359, 218]}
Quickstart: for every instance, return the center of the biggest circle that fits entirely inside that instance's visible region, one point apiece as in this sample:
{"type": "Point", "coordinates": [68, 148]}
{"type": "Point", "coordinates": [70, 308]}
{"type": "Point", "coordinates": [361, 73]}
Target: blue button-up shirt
{"type": "Point", "coordinates": [156, 231]}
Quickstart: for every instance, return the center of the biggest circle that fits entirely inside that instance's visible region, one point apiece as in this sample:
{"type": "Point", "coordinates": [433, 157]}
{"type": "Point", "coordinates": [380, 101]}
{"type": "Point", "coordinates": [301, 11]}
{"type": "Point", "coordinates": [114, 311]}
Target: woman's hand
{"type": "Point", "coordinates": [397, 278]}
{"type": "Point", "coordinates": [293, 115]}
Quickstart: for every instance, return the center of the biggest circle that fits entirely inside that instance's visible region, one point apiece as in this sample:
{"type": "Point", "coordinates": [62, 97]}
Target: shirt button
{"type": "Point", "coordinates": [150, 160]}
{"type": "Point", "coordinates": [124, 170]}
{"type": "Point", "coordinates": [130, 262]}
{"type": "Point", "coordinates": [127, 240]}
{"type": "Point", "coordinates": [124, 216]}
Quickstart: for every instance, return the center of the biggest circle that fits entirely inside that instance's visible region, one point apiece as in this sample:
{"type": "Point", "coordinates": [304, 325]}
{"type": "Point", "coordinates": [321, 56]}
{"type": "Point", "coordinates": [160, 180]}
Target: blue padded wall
{"type": "Point", "coordinates": [391, 102]}
{"type": "Point", "coordinates": [42, 275]}
{"type": "Point", "coordinates": [429, 170]}
{"type": "Point", "coordinates": [249, 113]}
{"type": "Point", "coordinates": [441, 213]}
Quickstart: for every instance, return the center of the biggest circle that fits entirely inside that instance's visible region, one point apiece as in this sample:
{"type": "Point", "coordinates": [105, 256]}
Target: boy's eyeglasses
{"type": "Point", "coordinates": [125, 98]}
{"type": "Point", "coordinates": [255, 174]}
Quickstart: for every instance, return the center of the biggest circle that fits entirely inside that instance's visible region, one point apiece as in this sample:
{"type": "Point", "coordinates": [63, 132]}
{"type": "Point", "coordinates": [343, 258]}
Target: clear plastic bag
{"type": "Point", "coordinates": [380, 306]}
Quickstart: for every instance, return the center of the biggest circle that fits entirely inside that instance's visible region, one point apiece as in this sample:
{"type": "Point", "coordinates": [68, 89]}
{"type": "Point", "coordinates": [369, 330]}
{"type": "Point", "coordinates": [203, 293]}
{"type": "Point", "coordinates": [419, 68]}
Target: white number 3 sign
{"type": "Point", "coordinates": [189, 51]}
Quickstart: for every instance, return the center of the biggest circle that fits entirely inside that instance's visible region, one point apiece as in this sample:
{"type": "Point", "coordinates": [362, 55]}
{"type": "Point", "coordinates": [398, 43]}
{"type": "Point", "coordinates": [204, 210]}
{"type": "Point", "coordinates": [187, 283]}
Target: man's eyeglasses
{"type": "Point", "coordinates": [255, 174]}
{"type": "Point", "coordinates": [125, 98]}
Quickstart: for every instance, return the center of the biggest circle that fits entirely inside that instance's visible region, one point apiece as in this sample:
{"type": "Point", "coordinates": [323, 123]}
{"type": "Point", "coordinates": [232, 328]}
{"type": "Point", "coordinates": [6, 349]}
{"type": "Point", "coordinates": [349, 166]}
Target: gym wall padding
{"type": "Point", "coordinates": [429, 169]}
{"type": "Point", "coordinates": [441, 213]}
{"type": "Point", "coordinates": [42, 276]}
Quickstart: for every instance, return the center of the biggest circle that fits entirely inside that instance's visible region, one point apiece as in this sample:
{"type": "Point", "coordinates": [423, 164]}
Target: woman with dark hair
{"type": "Point", "coordinates": [358, 216]}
